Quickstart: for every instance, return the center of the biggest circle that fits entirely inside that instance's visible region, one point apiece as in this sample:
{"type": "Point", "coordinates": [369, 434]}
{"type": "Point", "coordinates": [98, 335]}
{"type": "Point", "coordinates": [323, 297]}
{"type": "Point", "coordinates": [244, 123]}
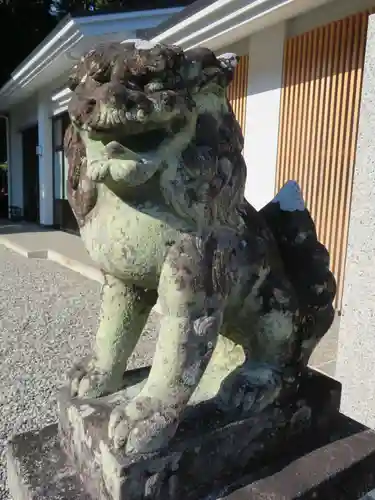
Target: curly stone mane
{"type": "Point", "coordinates": [135, 92]}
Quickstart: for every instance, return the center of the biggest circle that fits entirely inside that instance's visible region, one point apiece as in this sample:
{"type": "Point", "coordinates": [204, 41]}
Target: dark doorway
{"type": "Point", "coordinates": [63, 215]}
{"type": "Point", "coordinates": [30, 174]}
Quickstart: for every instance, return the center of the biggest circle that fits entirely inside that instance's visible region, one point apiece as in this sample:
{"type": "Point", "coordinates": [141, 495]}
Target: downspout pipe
{"type": "Point", "coordinates": [9, 173]}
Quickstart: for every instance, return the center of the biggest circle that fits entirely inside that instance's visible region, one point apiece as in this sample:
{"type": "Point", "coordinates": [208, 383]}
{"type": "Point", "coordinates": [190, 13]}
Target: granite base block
{"type": "Point", "coordinates": [38, 469]}
{"type": "Point", "coordinates": [341, 469]}
{"type": "Point", "coordinates": [205, 457]}
{"type": "Point", "coordinates": [210, 450]}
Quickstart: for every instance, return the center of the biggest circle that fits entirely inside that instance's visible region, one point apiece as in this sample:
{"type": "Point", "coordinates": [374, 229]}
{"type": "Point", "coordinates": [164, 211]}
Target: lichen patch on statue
{"type": "Point", "coordinates": [156, 182]}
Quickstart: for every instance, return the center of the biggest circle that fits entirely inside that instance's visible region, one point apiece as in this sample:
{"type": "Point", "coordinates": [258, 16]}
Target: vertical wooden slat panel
{"type": "Point", "coordinates": [237, 91]}
{"type": "Point", "coordinates": [321, 193]}
{"type": "Point", "coordinates": [343, 138]}
{"type": "Point", "coordinates": [358, 58]}
{"type": "Point", "coordinates": [320, 101]}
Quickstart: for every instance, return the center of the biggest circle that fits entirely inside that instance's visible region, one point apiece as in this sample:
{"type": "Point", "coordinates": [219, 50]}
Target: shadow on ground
{"type": "Point", "coordinates": [10, 227]}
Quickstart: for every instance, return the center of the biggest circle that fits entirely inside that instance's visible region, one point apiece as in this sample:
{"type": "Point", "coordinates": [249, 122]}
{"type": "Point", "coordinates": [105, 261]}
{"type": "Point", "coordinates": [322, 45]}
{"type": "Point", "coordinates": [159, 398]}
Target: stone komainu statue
{"type": "Point", "coordinates": [239, 298]}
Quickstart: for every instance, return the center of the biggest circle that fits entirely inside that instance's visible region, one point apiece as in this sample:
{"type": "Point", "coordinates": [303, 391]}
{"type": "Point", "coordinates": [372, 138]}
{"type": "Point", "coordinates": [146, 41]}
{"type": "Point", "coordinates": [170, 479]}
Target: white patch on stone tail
{"type": "Point", "coordinates": [290, 198]}
{"type": "Point", "coordinates": [141, 44]}
{"type": "Point", "coordinates": [228, 59]}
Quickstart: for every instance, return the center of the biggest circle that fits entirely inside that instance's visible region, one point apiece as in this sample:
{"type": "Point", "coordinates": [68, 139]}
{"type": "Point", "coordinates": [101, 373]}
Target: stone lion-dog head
{"type": "Point", "coordinates": [154, 102]}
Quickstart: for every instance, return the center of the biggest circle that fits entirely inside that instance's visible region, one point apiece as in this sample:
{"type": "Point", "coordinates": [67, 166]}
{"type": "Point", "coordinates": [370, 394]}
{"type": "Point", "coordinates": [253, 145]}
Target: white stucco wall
{"type": "Point", "coordinates": [239, 48]}
{"type": "Point", "coordinates": [333, 11]}
{"type": "Point", "coordinates": [266, 49]}
{"type": "Point", "coordinates": [21, 117]}
{"type": "Point", "coordinates": [262, 113]}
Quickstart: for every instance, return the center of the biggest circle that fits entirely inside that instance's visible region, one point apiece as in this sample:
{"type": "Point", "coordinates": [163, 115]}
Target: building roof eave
{"type": "Point", "coordinates": [75, 32]}
{"type": "Point", "coordinates": [206, 21]}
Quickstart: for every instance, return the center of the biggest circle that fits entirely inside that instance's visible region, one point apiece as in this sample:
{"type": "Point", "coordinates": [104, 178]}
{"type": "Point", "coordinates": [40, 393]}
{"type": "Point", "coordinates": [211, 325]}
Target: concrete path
{"type": "Point", "coordinates": [66, 249]}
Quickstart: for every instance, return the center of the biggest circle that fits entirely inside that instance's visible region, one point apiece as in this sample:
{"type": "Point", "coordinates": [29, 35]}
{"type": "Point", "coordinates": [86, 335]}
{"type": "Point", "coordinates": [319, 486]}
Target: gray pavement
{"type": "Point", "coordinates": [48, 315]}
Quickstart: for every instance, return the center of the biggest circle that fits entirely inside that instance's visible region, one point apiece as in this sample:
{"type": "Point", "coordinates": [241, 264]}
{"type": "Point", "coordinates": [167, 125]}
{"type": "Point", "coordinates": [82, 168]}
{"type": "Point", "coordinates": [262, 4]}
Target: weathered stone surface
{"type": "Point", "coordinates": [221, 445]}
{"type": "Point", "coordinates": [38, 469]}
{"type": "Point", "coordinates": [331, 462]}
{"type": "Point", "coordinates": [156, 181]}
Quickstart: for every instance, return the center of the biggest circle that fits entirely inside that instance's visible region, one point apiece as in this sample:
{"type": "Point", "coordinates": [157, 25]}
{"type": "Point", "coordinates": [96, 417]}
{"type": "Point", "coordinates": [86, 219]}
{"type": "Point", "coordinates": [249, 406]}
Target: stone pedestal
{"type": "Point", "coordinates": [342, 469]}
{"type": "Point", "coordinates": [211, 454]}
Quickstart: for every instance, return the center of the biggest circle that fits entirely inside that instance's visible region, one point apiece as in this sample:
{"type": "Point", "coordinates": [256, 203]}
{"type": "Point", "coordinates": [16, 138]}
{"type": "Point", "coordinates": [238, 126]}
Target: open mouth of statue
{"type": "Point", "coordinates": [140, 142]}
{"type": "Point", "coordinates": [144, 141]}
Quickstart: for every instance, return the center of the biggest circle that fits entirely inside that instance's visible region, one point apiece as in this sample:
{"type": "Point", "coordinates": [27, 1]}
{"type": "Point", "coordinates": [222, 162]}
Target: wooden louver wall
{"type": "Point", "coordinates": [237, 91]}
{"type": "Point", "coordinates": [319, 117]}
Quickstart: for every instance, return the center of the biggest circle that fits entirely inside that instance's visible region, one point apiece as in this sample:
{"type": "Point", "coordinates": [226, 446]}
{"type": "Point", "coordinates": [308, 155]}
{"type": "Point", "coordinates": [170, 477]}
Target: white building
{"type": "Point", "coordinates": [296, 94]}
{"type": "Point", "coordinates": [34, 103]}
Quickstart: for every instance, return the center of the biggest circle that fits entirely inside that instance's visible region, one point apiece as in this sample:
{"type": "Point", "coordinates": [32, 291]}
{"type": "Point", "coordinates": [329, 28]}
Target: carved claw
{"type": "Point", "coordinates": [86, 381]}
{"type": "Point", "coordinates": [134, 429]}
{"type": "Point", "coordinates": [252, 390]}
{"type": "Point", "coordinates": [77, 374]}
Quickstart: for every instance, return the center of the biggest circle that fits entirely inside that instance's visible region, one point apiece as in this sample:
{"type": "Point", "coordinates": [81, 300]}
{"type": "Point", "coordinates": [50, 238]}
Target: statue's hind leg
{"type": "Point", "coordinates": [270, 367]}
{"type": "Point", "coordinates": [191, 310]}
{"type": "Point", "coordinates": [124, 312]}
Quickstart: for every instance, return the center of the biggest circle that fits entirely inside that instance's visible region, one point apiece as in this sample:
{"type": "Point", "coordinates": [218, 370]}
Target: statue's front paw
{"type": "Point", "coordinates": [251, 390]}
{"type": "Point", "coordinates": [86, 381]}
{"type": "Point", "coordinates": [119, 169]}
{"type": "Point", "coordinates": [139, 427]}
{"type": "Point", "coordinates": [78, 374]}
{"type": "Point", "coordinates": [98, 170]}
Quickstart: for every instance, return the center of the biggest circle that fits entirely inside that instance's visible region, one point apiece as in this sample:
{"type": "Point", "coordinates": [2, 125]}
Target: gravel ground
{"type": "Point", "coordinates": [48, 315]}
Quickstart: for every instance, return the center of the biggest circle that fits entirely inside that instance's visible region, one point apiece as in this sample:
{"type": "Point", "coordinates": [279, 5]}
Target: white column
{"type": "Point", "coordinates": [45, 161]}
{"type": "Point", "coordinates": [262, 113]}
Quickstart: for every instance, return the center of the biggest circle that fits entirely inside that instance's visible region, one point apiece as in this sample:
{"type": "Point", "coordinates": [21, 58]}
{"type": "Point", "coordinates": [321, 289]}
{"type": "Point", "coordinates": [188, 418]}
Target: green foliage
{"type": "Point", "coordinates": [3, 166]}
